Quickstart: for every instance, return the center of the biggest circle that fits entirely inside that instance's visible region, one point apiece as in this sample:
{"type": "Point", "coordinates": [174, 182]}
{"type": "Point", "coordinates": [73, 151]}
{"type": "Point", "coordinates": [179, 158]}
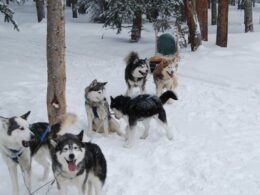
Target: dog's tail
{"type": "Point", "coordinates": [167, 95]}
{"type": "Point", "coordinates": [65, 121]}
{"type": "Point", "coordinates": [131, 57]}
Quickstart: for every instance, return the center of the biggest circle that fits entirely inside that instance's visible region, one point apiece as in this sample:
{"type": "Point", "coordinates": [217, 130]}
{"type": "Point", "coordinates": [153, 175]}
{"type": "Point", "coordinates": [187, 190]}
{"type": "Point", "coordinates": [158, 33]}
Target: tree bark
{"type": "Point", "coordinates": [202, 12]}
{"type": "Point", "coordinates": [56, 98]}
{"type": "Point", "coordinates": [40, 10]}
{"type": "Point", "coordinates": [74, 8]}
{"type": "Point", "coordinates": [194, 37]}
{"type": "Point", "coordinates": [222, 26]}
{"type": "Point", "coordinates": [137, 27]}
{"type": "Point", "coordinates": [248, 16]}
{"type": "Point", "coordinates": [213, 12]}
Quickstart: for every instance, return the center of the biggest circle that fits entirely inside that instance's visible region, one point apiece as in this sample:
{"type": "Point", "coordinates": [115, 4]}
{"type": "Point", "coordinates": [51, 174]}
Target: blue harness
{"type": "Point", "coordinates": [15, 154]}
{"type": "Point", "coordinates": [43, 134]}
{"type": "Point", "coordinates": [94, 110]}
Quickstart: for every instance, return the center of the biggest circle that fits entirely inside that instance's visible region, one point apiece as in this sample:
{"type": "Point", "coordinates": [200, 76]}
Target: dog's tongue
{"type": "Point", "coordinates": [72, 165]}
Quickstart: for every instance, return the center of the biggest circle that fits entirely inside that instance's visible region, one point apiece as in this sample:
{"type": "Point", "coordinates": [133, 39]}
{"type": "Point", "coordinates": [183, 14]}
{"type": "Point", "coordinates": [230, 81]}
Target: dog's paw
{"type": "Point", "coordinates": [170, 136]}
{"type": "Point", "coordinates": [144, 136]}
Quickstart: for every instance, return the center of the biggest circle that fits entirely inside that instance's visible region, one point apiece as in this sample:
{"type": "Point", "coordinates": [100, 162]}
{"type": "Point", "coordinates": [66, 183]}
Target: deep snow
{"type": "Point", "coordinates": [216, 147]}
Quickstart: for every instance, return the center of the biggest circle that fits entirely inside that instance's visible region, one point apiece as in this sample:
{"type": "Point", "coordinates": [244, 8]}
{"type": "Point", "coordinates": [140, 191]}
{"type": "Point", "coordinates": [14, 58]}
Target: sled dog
{"type": "Point", "coordinates": [141, 108]}
{"type": "Point", "coordinates": [19, 141]}
{"type": "Point", "coordinates": [135, 73]}
{"type": "Point", "coordinates": [97, 108]}
{"type": "Point", "coordinates": [77, 163]}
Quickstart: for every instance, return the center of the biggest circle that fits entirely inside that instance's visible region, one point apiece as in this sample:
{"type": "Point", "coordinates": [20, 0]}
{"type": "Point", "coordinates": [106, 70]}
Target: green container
{"type": "Point", "coordinates": [166, 44]}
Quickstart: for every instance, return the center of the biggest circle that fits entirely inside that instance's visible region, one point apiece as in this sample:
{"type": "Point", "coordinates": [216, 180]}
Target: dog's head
{"type": "Point", "coordinates": [69, 151]}
{"type": "Point", "coordinates": [140, 68]}
{"type": "Point", "coordinates": [166, 69]}
{"type": "Point", "coordinates": [118, 104]}
{"type": "Point", "coordinates": [17, 132]}
{"type": "Point", "coordinates": [95, 92]}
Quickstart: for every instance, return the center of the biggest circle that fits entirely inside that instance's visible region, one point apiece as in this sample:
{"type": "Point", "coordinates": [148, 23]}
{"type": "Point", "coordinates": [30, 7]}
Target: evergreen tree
{"type": "Point", "coordinates": [8, 14]}
{"type": "Point", "coordinates": [122, 13]}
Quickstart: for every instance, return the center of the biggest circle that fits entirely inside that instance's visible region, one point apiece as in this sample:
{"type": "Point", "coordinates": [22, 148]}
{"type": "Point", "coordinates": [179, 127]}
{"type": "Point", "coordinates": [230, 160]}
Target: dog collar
{"type": "Point", "coordinates": [13, 153]}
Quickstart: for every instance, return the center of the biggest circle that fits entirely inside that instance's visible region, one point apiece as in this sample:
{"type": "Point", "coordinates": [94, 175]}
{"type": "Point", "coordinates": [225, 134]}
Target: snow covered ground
{"type": "Point", "coordinates": [216, 121]}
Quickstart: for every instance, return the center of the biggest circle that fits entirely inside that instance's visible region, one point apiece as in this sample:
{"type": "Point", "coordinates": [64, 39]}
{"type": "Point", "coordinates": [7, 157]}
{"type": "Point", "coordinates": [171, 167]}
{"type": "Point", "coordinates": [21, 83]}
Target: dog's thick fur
{"type": "Point", "coordinates": [139, 108]}
{"type": "Point", "coordinates": [97, 108]}
{"type": "Point", "coordinates": [135, 73]}
{"type": "Point", "coordinates": [77, 163]}
{"type": "Point", "coordinates": [19, 142]}
{"type": "Point", "coordinates": [164, 69]}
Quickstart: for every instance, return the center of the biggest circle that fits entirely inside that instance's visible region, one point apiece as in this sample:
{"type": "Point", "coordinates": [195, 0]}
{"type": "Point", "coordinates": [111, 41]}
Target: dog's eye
{"type": "Point", "coordinates": [22, 128]}
{"type": "Point", "coordinates": [76, 148]}
{"type": "Point", "coordinates": [65, 149]}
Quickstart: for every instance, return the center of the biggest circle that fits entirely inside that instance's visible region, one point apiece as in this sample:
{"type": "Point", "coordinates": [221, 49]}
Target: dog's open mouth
{"type": "Point", "coordinates": [143, 73]}
{"type": "Point", "coordinates": [26, 143]}
{"type": "Point", "coordinates": [72, 165]}
{"type": "Point", "coordinates": [170, 74]}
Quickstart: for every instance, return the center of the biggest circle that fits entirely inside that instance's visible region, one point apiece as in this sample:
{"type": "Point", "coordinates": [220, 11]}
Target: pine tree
{"type": "Point", "coordinates": [127, 13]}
{"type": "Point", "coordinates": [248, 19]}
{"type": "Point", "coordinates": [213, 12]}
{"type": "Point", "coordinates": [222, 25]}
{"type": "Point", "coordinates": [8, 14]}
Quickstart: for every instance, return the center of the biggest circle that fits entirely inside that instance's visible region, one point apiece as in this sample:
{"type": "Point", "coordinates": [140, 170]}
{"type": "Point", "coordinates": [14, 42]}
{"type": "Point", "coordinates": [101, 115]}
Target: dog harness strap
{"type": "Point", "coordinates": [43, 135]}
{"type": "Point", "coordinates": [94, 110]}
{"type": "Point", "coordinates": [15, 154]}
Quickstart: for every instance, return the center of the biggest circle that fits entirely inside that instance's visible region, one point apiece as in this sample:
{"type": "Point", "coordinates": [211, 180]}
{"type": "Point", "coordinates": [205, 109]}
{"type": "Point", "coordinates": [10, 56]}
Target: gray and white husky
{"type": "Point", "coordinates": [97, 108]}
{"type": "Point", "coordinates": [20, 141]}
{"type": "Point", "coordinates": [135, 73]}
{"type": "Point", "coordinates": [77, 163]}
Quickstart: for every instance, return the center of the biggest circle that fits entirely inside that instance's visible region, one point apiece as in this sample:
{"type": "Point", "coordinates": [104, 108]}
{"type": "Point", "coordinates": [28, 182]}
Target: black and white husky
{"type": "Point", "coordinates": [77, 163]}
{"type": "Point", "coordinates": [139, 108]}
{"type": "Point", "coordinates": [19, 141]}
{"type": "Point", "coordinates": [97, 108]}
{"type": "Point", "coordinates": [135, 73]}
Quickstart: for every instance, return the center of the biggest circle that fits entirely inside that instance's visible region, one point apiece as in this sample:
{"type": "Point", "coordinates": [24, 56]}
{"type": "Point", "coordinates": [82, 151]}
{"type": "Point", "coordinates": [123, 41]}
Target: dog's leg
{"type": "Point", "coordinates": [41, 158]}
{"type": "Point", "coordinates": [97, 185]}
{"type": "Point", "coordinates": [131, 132]}
{"type": "Point", "coordinates": [115, 127]}
{"type": "Point", "coordinates": [90, 190]}
{"type": "Point", "coordinates": [159, 89]}
{"type": "Point", "coordinates": [90, 120]}
{"type": "Point", "coordinates": [13, 174]}
{"type": "Point", "coordinates": [163, 121]}
{"type": "Point", "coordinates": [146, 130]}
{"type": "Point", "coordinates": [106, 126]}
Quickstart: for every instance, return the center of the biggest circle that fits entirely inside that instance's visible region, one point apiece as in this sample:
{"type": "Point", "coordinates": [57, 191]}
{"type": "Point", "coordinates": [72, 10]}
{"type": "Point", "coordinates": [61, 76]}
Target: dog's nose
{"type": "Point", "coordinates": [71, 156]}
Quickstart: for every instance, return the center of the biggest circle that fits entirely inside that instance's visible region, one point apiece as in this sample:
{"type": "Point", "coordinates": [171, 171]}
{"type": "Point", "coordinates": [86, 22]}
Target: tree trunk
{"type": "Point", "coordinates": [74, 8]}
{"type": "Point", "coordinates": [202, 11]}
{"type": "Point", "coordinates": [213, 12]}
{"type": "Point", "coordinates": [222, 27]}
{"type": "Point", "coordinates": [40, 10]}
{"type": "Point", "coordinates": [137, 27]}
{"type": "Point", "coordinates": [56, 98]}
{"type": "Point", "coordinates": [248, 16]}
{"type": "Point", "coordinates": [68, 3]}
{"type": "Point", "coordinates": [194, 37]}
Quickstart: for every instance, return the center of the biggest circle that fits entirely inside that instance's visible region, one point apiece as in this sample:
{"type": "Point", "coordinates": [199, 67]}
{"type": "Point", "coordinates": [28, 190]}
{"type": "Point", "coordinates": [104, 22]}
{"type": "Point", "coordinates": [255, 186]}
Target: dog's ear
{"type": "Point", "coordinates": [104, 83]}
{"type": "Point", "coordinates": [93, 83]}
{"type": "Point", "coordinates": [25, 116]}
{"type": "Point", "coordinates": [80, 135]}
{"type": "Point", "coordinates": [53, 143]}
{"type": "Point", "coordinates": [111, 98]}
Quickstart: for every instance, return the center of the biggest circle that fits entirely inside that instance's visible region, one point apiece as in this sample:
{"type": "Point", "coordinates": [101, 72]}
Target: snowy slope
{"type": "Point", "coordinates": [216, 147]}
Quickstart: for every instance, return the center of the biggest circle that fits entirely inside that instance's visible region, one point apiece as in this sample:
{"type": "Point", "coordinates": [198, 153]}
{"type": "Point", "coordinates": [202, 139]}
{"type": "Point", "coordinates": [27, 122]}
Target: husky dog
{"type": "Point", "coordinates": [97, 108]}
{"type": "Point", "coordinates": [15, 137]}
{"type": "Point", "coordinates": [19, 141]}
{"type": "Point", "coordinates": [164, 75]}
{"type": "Point", "coordinates": [77, 163]}
{"type": "Point", "coordinates": [139, 108]}
{"type": "Point", "coordinates": [135, 73]}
